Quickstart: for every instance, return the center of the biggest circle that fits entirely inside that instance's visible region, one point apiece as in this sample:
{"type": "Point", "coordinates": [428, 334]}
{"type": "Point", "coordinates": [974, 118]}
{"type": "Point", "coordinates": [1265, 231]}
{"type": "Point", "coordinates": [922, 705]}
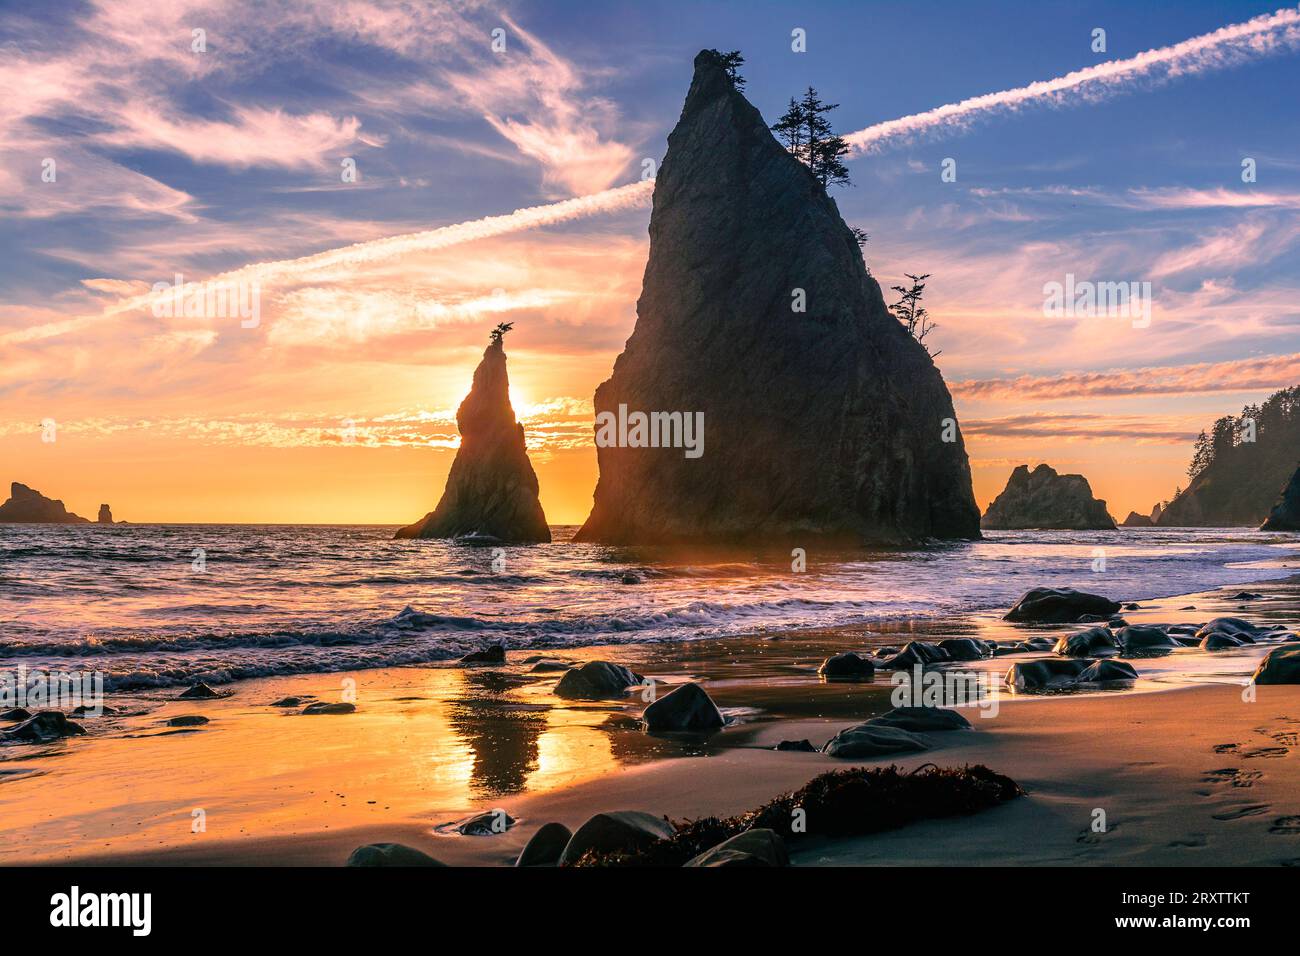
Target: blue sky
{"type": "Point", "coordinates": [172, 160]}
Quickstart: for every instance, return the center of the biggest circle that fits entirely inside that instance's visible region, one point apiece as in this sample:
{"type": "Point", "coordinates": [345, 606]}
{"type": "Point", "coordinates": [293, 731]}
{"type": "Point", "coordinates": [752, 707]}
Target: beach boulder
{"type": "Point", "coordinates": [45, 726]}
{"type": "Point", "coordinates": [1280, 666]}
{"type": "Point", "coordinates": [1104, 672]}
{"type": "Point", "coordinates": [1059, 606]}
{"type": "Point", "coordinates": [916, 652]}
{"type": "Point", "coordinates": [1094, 642]}
{"type": "Point", "coordinates": [964, 649]}
{"type": "Point", "coordinates": [187, 720]}
{"type": "Point", "coordinates": [757, 847]}
{"type": "Point", "coordinates": [687, 708]}
{"type": "Point", "coordinates": [336, 707]}
{"type": "Point", "coordinates": [390, 854]}
{"type": "Point", "coordinates": [199, 691]}
{"type": "Point", "coordinates": [616, 830]}
{"type": "Point", "coordinates": [867, 740]}
{"type": "Point", "coordinates": [496, 654]}
{"type": "Point", "coordinates": [1219, 641]}
{"type": "Point", "coordinates": [1044, 499]}
{"type": "Point", "coordinates": [1239, 628]}
{"type": "Point", "coordinates": [487, 823]}
{"type": "Point", "coordinates": [922, 719]}
{"type": "Point", "coordinates": [596, 680]}
{"type": "Point", "coordinates": [1047, 674]}
{"type": "Point", "coordinates": [16, 713]}
{"type": "Point", "coordinates": [545, 846]}
{"type": "Point", "coordinates": [847, 666]}
{"type": "Point", "coordinates": [1145, 639]}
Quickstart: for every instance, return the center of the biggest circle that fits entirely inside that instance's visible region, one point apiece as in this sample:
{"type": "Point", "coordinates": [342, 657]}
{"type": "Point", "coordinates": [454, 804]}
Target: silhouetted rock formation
{"type": "Point", "coordinates": [1135, 520]}
{"type": "Point", "coordinates": [1285, 515]}
{"type": "Point", "coordinates": [492, 489]}
{"type": "Point", "coordinates": [105, 515]}
{"type": "Point", "coordinates": [1043, 499]}
{"type": "Point", "coordinates": [824, 423]}
{"type": "Point", "coordinates": [28, 506]}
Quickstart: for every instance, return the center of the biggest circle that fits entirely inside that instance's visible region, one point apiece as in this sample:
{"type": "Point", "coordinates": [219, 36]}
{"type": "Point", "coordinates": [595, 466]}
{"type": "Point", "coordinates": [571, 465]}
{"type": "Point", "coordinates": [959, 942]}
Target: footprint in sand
{"type": "Point", "coordinates": [1286, 825]}
{"type": "Point", "coordinates": [1192, 841]}
{"type": "Point", "coordinates": [1088, 835]}
{"type": "Point", "coordinates": [1226, 748]}
{"type": "Point", "coordinates": [1238, 778]}
{"type": "Point", "coordinates": [1236, 813]}
{"type": "Point", "coordinates": [1269, 752]}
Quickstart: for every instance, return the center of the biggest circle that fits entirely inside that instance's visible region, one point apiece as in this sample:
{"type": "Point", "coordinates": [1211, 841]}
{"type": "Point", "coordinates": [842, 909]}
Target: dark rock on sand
{"type": "Point", "coordinates": [847, 666]}
{"type": "Point", "coordinates": [29, 506]}
{"type": "Point", "coordinates": [1044, 499]}
{"type": "Point", "coordinates": [916, 652]}
{"type": "Point", "coordinates": [801, 746]}
{"type": "Point", "coordinates": [688, 708]}
{"type": "Point", "coordinates": [322, 707]}
{"type": "Point", "coordinates": [1285, 515]}
{"type": "Point", "coordinates": [545, 846]}
{"type": "Point", "coordinates": [922, 719]}
{"type": "Point", "coordinates": [828, 422]}
{"type": "Point", "coordinates": [16, 713]}
{"type": "Point", "coordinates": [390, 854]}
{"type": "Point", "coordinates": [492, 488]}
{"type": "Point", "coordinates": [964, 649]}
{"type": "Point", "coordinates": [1144, 639]}
{"type": "Point", "coordinates": [758, 847]}
{"type": "Point", "coordinates": [1094, 642]}
{"type": "Point", "coordinates": [1242, 630]}
{"type": "Point", "coordinates": [487, 823]}
{"type": "Point", "coordinates": [290, 702]}
{"type": "Point", "coordinates": [596, 680]}
{"type": "Point", "coordinates": [616, 830]}
{"type": "Point", "coordinates": [44, 726]}
{"type": "Point", "coordinates": [496, 654]}
{"type": "Point", "coordinates": [187, 720]}
{"type": "Point", "coordinates": [1103, 672]}
{"type": "Point", "coordinates": [1280, 666]}
{"type": "Point", "coordinates": [199, 691]}
{"type": "Point", "coordinates": [105, 515]}
{"type": "Point", "coordinates": [1220, 641]}
{"type": "Point", "coordinates": [869, 739]}
{"type": "Point", "coordinates": [1047, 674]}
{"type": "Point", "coordinates": [1059, 606]}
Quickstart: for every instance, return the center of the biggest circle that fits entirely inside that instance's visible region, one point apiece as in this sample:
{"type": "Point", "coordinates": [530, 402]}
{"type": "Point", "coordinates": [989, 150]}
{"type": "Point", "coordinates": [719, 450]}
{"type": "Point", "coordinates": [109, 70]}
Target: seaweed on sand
{"type": "Point", "coordinates": [840, 803]}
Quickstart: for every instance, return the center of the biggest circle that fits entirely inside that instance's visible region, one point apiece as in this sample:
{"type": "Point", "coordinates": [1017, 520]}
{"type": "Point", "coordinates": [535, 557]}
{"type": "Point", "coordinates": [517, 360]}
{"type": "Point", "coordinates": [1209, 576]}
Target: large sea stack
{"type": "Point", "coordinates": [831, 422]}
{"type": "Point", "coordinates": [1285, 515]}
{"type": "Point", "coordinates": [492, 489]}
{"type": "Point", "coordinates": [1044, 499]}
{"type": "Point", "coordinates": [29, 506]}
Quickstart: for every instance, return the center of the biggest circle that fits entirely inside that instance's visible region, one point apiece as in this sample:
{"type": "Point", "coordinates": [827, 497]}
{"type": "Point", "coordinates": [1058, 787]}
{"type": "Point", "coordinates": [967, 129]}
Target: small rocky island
{"type": "Point", "coordinates": [1043, 499]}
{"type": "Point", "coordinates": [1285, 515]}
{"type": "Point", "coordinates": [29, 506]}
{"type": "Point", "coordinates": [822, 417]}
{"type": "Point", "coordinates": [491, 490]}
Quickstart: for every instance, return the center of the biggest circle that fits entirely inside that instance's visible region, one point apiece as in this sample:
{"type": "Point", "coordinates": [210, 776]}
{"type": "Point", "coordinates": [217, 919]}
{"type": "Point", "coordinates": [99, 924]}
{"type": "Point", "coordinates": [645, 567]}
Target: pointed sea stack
{"type": "Point", "coordinates": [29, 506]}
{"type": "Point", "coordinates": [1285, 515]}
{"type": "Point", "coordinates": [1042, 499]}
{"type": "Point", "coordinates": [105, 515]}
{"type": "Point", "coordinates": [492, 489]}
{"type": "Point", "coordinates": [825, 423]}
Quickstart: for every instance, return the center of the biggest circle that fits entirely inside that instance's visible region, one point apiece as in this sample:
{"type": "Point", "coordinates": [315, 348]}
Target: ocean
{"type": "Point", "coordinates": [165, 605]}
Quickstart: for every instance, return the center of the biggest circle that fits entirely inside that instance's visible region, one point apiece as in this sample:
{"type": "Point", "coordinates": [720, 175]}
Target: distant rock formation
{"type": "Point", "coordinates": [492, 488]}
{"type": "Point", "coordinates": [105, 515]}
{"type": "Point", "coordinates": [1043, 499]}
{"type": "Point", "coordinates": [1285, 515]}
{"type": "Point", "coordinates": [29, 506]}
{"type": "Point", "coordinates": [822, 417]}
{"type": "Point", "coordinates": [1156, 512]}
{"type": "Point", "coordinates": [1135, 520]}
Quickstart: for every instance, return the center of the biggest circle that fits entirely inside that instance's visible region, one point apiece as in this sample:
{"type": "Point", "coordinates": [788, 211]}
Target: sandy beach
{"type": "Point", "coordinates": [1186, 769]}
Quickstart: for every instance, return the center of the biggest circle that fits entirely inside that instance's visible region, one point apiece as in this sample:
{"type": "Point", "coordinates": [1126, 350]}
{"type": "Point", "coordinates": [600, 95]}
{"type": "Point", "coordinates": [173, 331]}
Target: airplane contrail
{"type": "Point", "coordinates": [1225, 47]}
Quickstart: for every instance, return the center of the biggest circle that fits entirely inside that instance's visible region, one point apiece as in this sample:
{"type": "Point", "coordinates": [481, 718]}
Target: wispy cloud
{"type": "Point", "coordinates": [1228, 46]}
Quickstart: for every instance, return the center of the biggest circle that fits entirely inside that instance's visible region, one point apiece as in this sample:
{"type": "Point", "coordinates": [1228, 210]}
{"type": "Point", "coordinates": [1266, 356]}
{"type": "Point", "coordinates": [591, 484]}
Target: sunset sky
{"type": "Point", "coordinates": [338, 406]}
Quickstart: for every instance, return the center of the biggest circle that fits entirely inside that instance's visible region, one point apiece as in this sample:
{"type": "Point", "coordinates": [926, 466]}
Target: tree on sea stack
{"type": "Point", "coordinates": [492, 488]}
{"type": "Point", "coordinates": [807, 134]}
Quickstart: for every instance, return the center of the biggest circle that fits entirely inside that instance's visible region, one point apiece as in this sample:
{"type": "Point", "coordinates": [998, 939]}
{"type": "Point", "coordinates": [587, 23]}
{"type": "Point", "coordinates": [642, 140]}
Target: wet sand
{"type": "Point", "coordinates": [430, 745]}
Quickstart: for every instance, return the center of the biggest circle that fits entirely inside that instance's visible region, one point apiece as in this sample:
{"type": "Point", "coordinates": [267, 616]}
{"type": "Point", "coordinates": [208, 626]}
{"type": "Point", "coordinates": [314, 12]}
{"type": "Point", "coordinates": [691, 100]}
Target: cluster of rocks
{"type": "Point", "coordinates": [39, 728]}
{"type": "Point", "coordinates": [1043, 499]}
